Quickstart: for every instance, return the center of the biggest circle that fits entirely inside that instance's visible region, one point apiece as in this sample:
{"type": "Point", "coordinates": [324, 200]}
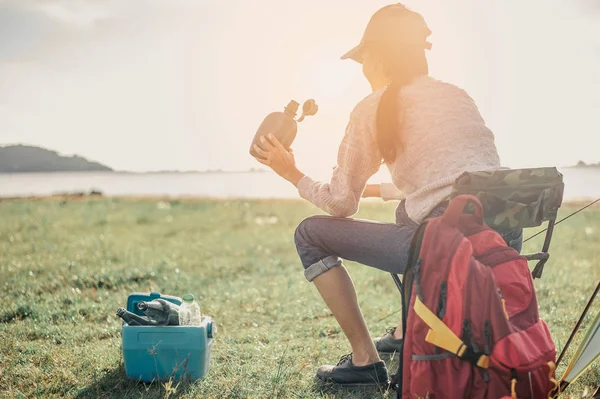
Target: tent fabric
{"type": "Point", "coordinates": [587, 353]}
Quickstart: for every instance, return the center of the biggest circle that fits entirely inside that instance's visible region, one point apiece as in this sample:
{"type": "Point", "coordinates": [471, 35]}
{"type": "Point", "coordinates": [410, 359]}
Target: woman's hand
{"type": "Point", "coordinates": [372, 190]}
{"type": "Point", "coordinates": [278, 158]}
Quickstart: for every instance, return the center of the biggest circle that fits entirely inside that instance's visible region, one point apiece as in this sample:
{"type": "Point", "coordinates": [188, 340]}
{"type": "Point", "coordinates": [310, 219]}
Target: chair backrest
{"type": "Point", "coordinates": [513, 198]}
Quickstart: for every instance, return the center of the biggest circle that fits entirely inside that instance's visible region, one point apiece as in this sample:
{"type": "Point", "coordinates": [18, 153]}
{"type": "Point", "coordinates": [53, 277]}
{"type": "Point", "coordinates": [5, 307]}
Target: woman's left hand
{"type": "Point", "coordinates": [279, 159]}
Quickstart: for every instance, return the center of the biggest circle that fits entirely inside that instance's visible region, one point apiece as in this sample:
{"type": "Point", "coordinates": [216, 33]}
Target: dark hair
{"type": "Point", "coordinates": [401, 66]}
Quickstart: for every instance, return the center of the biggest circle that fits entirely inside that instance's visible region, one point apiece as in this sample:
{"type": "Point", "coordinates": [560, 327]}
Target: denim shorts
{"type": "Point", "coordinates": [323, 241]}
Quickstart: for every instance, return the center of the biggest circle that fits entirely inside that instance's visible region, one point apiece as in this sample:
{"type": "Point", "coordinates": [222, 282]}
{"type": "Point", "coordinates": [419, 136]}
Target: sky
{"type": "Point", "coordinates": [145, 85]}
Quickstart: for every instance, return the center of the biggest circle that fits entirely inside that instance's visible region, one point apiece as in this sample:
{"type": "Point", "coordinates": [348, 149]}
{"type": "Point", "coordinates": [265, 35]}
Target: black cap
{"type": "Point", "coordinates": [393, 24]}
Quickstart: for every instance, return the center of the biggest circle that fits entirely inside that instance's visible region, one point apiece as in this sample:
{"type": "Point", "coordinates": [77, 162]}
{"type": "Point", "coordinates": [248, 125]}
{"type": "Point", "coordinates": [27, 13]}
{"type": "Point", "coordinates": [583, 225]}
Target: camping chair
{"type": "Point", "coordinates": [511, 198]}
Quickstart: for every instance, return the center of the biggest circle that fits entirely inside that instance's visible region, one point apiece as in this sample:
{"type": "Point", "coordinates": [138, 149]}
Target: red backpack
{"type": "Point", "coordinates": [473, 329]}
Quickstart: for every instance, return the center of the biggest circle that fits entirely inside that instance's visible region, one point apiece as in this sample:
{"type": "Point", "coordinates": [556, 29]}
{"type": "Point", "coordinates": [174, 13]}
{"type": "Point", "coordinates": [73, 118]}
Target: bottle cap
{"type": "Point", "coordinates": [309, 108]}
{"type": "Point", "coordinates": [188, 298]}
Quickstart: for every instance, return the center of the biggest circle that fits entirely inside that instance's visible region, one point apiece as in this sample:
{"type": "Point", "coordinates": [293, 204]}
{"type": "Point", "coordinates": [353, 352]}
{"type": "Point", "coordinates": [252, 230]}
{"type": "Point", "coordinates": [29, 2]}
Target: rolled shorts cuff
{"type": "Point", "coordinates": [320, 267]}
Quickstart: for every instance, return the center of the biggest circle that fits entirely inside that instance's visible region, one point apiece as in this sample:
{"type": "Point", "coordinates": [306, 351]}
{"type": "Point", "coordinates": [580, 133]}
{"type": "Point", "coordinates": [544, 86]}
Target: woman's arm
{"type": "Point", "coordinates": [358, 160]}
{"type": "Point", "coordinates": [385, 191]}
{"type": "Point", "coordinates": [340, 197]}
{"type": "Point", "coordinates": [390, 192]}
{"type": "Point", "coordinates": [372, 191]}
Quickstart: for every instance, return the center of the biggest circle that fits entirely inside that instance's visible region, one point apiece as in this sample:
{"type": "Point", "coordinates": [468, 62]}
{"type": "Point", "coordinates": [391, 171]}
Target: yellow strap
{"type": "Point", "coordinates": [513, 388]}
{"type": "Point", "coordinates": [442, 336]}
{"type": "Point", "coordinates": [449, 342]}
{"type": "Point", "coordinates": [551, 369]}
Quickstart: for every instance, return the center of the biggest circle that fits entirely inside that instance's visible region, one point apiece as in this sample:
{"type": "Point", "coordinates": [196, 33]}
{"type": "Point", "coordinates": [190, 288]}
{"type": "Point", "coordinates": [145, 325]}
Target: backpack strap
{"type": "Point", "coordinates": [442, 336]}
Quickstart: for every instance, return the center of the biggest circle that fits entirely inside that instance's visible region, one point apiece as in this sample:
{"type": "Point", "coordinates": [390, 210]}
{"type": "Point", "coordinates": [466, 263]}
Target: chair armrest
{"type": "Point", "coordinates": [537, 256]}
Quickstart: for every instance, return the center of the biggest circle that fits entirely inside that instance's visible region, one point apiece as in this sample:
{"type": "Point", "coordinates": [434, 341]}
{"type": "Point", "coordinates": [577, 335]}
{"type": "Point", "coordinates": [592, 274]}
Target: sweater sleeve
{"type": "Point", "coordinates": [358, 159]}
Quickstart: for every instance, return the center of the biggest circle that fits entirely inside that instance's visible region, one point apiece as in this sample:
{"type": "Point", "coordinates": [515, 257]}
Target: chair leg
{"type": "Point", "coordinates": [397, 378]}
{"type": "Point", "coordinates": [402, 298]}
{"type": "Point", "coordinates": [539, 268]}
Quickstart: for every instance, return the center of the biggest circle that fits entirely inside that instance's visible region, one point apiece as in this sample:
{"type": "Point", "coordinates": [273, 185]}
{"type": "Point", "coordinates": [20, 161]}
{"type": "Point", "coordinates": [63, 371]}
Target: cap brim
{"type": "Point", "coordinates": [354, 54]}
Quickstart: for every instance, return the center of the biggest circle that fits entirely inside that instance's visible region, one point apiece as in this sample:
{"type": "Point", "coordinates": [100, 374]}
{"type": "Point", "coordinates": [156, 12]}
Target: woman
{"type": "Point", "coordinates": [427, 133]}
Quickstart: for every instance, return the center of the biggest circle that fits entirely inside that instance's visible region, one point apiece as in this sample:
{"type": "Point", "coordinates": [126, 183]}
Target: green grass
{"type": "Point", "coordinates": [65, 267]}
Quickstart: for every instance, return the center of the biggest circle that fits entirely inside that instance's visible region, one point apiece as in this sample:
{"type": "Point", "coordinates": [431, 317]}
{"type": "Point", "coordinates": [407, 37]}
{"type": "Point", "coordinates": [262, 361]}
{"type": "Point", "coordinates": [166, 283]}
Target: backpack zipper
{"type": "Point", "coordinates": [503, 303]}
{"type": "Point", "coordinates": [468, 335]}
{"type": "Point", "coordinates": [487, 334]}
{"type": "Point", "coordinates": [441, 306]}
{"type": "Point", "coordinates": [442, 301]}
{"type": "Point", "coordinates": [486, 346]}
{"type": "Point", "coordinates": [417, 277]}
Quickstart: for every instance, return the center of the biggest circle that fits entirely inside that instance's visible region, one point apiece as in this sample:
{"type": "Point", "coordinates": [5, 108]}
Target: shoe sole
{"type": "Point", "coordinates": [333, 383]}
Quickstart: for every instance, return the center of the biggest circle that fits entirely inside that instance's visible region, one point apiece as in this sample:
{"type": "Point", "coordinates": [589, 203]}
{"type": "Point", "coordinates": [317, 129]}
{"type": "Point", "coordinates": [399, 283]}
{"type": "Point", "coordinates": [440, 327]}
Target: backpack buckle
{"type": "Point", "coordinates": [477, 359]}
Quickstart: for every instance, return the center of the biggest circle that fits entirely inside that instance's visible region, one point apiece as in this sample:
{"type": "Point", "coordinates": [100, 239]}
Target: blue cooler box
{"type": "Point", "coordinates": [161, 352]}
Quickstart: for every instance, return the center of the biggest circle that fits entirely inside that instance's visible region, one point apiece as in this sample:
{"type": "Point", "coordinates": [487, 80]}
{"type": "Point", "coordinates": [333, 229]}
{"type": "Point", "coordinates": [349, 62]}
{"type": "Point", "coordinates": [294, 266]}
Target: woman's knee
{"type": "Point", "coordinates": [315, 259]}
{"type": "Point", "coordinates": [303, 231]}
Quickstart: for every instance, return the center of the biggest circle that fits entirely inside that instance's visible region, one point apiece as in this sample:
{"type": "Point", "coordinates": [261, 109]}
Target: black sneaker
{"type": "Point", "coordinates": [348, 375]}
{"type": "Point", "coordinates": [388, 345]}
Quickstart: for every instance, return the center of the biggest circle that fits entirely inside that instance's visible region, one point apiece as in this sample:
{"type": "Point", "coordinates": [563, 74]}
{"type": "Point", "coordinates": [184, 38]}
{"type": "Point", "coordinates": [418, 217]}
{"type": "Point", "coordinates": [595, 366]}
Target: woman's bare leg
{"type": "Point", "coordinates": [337, 289]}
{"type": "Point", "coordinates": [398, 333]}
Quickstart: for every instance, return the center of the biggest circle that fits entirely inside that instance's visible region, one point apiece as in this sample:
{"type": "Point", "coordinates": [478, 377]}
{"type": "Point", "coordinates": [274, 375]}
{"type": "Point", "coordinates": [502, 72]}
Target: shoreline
{"type": "Point", "coordinates": [210, 171]}
{"type": "Point", "coordinates": [192, 199]}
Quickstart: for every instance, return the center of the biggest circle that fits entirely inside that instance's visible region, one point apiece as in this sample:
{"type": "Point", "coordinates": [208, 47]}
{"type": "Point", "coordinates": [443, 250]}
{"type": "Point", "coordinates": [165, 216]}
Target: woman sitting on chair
{"type": "Point", "coordinates": [427, 133]}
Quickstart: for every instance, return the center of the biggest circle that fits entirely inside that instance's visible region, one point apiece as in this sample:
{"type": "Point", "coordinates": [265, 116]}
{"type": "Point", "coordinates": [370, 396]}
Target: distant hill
{"type": "Point", "coordinates": [23, 158]}
{"type": "Point", "coordinates": [582, 164]}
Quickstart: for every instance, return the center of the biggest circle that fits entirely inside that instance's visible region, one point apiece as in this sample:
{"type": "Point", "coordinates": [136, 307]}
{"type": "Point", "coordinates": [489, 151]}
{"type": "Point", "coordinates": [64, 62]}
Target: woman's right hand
{"type": "Point", "coordinates": [279, 159]}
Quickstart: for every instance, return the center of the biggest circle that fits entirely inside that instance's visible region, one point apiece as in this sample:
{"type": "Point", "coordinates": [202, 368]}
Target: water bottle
{"type": "Point", "coordinates": [189, 311]}
{"type": "Point", "coordinates": [283, 125]}
{"type": "Point", "coordinates": [134, 320]}
{"type": "Point", "coordinates": [162, 312]}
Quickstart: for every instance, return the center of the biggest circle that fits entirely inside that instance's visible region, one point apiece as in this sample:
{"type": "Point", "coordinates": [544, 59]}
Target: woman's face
{"type": "Point", "coordinates": [372, 67]}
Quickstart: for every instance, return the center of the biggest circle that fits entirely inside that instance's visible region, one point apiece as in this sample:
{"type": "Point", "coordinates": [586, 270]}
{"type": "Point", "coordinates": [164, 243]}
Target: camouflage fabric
{"type": "Point", "coordinates": [514, 198]}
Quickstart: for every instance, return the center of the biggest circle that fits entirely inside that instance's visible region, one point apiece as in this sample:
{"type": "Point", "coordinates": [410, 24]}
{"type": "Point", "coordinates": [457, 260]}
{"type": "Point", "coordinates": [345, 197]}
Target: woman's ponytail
{"type": "Point", "coordinates": [389, 119]}
{"type": "Point", "coordinates": [401, 69]}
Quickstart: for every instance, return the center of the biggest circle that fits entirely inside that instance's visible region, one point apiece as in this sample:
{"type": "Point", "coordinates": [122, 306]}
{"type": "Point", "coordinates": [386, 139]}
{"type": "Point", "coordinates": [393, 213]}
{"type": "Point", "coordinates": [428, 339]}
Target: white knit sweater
{"type": "Point", "coordinates": [442, 135]}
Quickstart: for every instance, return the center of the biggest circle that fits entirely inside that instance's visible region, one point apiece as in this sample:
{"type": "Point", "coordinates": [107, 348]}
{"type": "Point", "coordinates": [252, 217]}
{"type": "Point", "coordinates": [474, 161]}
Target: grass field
{"type": "Point", "coordinates": [66, 265]}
